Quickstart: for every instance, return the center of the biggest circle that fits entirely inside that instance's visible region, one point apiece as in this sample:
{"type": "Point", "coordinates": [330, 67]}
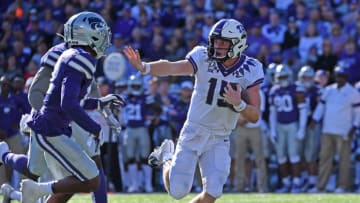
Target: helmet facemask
{"type": "Point", "coordinates": [232, 31]}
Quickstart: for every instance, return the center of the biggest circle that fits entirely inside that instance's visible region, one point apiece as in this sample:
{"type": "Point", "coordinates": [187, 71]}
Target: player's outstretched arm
{"type": "Point", "coordinates": [159, 68]}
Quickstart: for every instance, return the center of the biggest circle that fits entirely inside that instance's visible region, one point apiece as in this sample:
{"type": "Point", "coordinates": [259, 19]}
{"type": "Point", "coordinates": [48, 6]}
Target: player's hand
{"type": "Point", "coordinates": [233, 96]}
{"type": "Point", "coordinates": [114, 100]}
{"type": "Point", "coordinates": [134, 58]}
{"type": "Point", "coordinates": [300, 134]}
{"type": "Point", "coordinates": [111, 118]}
{"type": "Point", "coordinates": [273, 137]}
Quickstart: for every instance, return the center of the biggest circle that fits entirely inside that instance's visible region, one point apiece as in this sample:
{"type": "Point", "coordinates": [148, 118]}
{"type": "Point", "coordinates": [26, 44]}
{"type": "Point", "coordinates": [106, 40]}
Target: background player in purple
{"type": "Point", "coordinates": [311, 143]}
{"type": "Point", "coordinates": [288, 118]}
{"type": "Point", "coordinates": [37, 166]}
{"type": "Point", "coordinates": [137, 137]}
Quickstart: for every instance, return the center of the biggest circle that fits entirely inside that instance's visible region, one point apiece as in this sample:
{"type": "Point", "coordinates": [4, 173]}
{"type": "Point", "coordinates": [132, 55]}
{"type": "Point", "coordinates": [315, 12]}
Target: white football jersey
{"type": "Point", "coordinates": [208, 107]}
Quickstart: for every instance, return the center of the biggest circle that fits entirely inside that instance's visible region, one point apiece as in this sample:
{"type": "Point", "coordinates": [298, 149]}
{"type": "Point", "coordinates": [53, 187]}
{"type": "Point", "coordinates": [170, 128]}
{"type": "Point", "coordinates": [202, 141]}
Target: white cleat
{"type": "Point", "coordinates": [4, 147]}
{"type": "Point", "coordinates": [157, 157]}
{"type": "Point", "coordinates": [31, 191]}
{"type": "Point", "coordinates": [6, 190]}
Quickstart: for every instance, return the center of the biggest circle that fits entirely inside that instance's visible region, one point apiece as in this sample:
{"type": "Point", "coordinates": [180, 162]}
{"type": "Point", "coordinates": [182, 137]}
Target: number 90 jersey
{"type": "Point", "coordinates": [208, 107]}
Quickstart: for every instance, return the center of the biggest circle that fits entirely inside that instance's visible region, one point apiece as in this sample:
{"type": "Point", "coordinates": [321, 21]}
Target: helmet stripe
{"type": "Point", "coordinates": [219, 27]}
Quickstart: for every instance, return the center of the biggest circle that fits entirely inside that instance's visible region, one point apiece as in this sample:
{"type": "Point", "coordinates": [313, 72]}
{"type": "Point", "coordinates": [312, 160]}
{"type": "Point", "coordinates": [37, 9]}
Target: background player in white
{"type": "Point", "coordinates": [222, 73]}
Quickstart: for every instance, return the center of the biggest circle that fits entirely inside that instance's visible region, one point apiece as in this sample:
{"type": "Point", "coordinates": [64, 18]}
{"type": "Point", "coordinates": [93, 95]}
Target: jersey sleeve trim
{"type": "Point", "coordinates": [259, 81]}
{"type": "Point", "coordinates": [86, 62]}
{"type": "Point", "coordinates": [192, 61]}
{"type": "Point", "coordinates": [79, 68]}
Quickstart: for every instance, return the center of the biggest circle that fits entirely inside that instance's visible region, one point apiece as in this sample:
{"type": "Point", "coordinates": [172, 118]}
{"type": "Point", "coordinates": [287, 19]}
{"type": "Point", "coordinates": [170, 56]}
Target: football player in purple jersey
{"type": "Point", "coordinates": [288, 117]}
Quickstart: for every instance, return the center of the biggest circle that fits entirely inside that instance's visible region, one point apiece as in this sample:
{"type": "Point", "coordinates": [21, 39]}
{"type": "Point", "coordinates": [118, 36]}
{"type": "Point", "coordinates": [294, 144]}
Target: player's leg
{"type": "Point", "coordinates": [294, 146]}
{"type": "Point", "coordinates": [144, 145]}
{"type": "Point", "coordinates": [65, 158]}
{"type": "Point", "coordinates": [84, 139]}
{"type": "Point", "coordinates": [311, 154]}
{"type": "Point", "coordinates": [17, 162]}
{"type": "Point", "coordinates": [131, 147]}
{"type": "Point", "coordinates": [215, 167]}
{"type": "Point", "coordinates": [281, 153]}
{"type": "Point", "coordinates": [15, 145]}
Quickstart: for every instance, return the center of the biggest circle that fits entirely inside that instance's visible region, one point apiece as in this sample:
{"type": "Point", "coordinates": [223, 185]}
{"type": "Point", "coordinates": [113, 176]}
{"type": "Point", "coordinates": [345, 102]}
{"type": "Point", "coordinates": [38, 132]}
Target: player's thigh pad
{"type": "Point", "coordinates": [144, 142]}
{"type": "Point", "coordinates": [215, 166]}
{"type": "Point", "coordinates": [294, 144]}
{"type": "Point", "coordinates": [65, 157]}
{"type": "Point", "coordinates": [312, 144]}
{"type": "Point", "coordinates": [281, 143]}
{"type": "Point", "coordinates": [182, 171]}
{"type": "Point", "coordinates": [130, 141]}
{"type": "Point", "coordinates": [85, 140]}
{"type": "Point", "coordinates": [36, 163]}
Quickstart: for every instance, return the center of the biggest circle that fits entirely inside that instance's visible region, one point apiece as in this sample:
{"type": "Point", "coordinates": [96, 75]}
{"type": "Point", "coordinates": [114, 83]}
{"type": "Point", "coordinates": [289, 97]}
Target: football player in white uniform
{"type": "Point", "coordinates": [222, 77]}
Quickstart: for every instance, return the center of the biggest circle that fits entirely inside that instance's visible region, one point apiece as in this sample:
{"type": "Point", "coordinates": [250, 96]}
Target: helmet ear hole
{"type": "Point", "coordinates": [95, 38]}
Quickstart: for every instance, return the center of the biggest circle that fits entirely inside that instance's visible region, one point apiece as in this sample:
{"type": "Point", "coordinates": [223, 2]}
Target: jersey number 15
{"type": "Point", "coordinates": [210, 95]}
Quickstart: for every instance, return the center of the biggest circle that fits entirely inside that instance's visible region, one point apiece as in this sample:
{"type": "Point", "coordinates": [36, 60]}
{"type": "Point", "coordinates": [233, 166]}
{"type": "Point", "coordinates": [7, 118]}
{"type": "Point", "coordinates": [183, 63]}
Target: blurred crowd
{"type": "Point", "coordinates": [321, 34]}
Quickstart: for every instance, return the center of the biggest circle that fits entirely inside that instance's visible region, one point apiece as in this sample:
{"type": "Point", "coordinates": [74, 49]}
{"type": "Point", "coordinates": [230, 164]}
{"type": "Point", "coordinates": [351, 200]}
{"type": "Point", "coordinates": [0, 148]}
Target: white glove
{"type": "Point", "coordinates": [273, 137]}
{"type": "Point", "coordinates": [111, 119]}
{"type": "Point", "coordinates": [111, 99]}
{"type": "Point", "coordinates": [24, 128]}
{"type": "Point", "coordinates": [300, 134]}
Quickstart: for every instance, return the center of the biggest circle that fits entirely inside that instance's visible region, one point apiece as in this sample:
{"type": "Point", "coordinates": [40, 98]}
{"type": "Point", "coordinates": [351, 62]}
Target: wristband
{"type": "Point", "coordinates": [147, 68]}
{"type": "Point", "coordinates": [241, 106]}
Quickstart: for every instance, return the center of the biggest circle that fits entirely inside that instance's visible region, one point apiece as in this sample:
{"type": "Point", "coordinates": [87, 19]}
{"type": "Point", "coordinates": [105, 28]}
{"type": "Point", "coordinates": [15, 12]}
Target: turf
{"type": "Point", "coordinates": [229, 198]}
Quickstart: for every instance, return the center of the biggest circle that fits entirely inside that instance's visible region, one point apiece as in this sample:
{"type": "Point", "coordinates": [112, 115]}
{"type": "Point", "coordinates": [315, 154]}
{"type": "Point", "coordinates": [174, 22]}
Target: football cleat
{"type": "Point", "coordinates": [6, 190]}
{"type": "Point", "coordinates": [161, 154]}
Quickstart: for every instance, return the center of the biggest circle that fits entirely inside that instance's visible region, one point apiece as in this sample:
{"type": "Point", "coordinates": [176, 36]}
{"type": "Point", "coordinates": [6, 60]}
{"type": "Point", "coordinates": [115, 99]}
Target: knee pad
{"type": "Point", "coordinates": [178, 191]}
{"type": "Point", "coordinates": [282, 160]}
{"type": "Point", "coordinates": [214, 186]}
{"type": "Point", "coordinates": [294, 159]}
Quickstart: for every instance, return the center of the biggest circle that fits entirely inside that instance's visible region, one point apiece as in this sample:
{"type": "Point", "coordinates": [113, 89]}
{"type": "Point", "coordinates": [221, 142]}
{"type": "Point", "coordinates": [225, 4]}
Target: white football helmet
{"type": "Point", "coordinates": [135, 85]}
{"type": "Point", "coordinates": [88, 29]}
{"type": "Point", "coordinates": [228, 29]}
{"type": "Point", "coordinates": [270, 72]}
{"type": "Point", "coordinates": [306, 76]}
{"type": "Point", "coordinates": [283, 75]}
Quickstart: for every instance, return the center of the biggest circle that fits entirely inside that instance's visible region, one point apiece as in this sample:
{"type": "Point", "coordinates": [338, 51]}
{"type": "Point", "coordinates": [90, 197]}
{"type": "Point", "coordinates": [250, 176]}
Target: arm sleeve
{"type": "Point", "coordinates": [356, 110]}
{"type": "Point", "coordinates": [39, 87]}
{"type": "Point", "coordinates": [320, 108]}
{"type": "Point", "coordinates": [69, 101]}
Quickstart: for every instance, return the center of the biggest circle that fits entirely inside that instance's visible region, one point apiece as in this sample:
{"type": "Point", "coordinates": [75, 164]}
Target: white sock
{"type": "Point", "coordinates": [16, 195]}
{"type": "Point", "coordinates": [147, 175]}
{"type": "Point", "coordinates": [46, 187]}
{"type": "Point", "coordinates": [313, 179]}
{"type": "Point", "coordinates": [133, 175]}
{"type": "Point", "coordinates": [286, 180]}
{"type": "Point", "coordinates": [296, 181]}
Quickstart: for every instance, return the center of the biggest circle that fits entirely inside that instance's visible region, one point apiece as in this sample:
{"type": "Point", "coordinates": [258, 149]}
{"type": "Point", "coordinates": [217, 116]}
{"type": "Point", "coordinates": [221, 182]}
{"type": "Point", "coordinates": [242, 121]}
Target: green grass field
{"type": "Point", "coordinates": [228, 198]}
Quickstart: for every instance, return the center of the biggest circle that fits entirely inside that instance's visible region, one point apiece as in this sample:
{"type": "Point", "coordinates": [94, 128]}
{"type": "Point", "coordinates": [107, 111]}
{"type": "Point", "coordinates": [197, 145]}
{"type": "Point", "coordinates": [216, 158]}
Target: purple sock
{"type": "Point", "coordinates": [100, 196]}
{"type": "Point", "coordinates": [17, 162]}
